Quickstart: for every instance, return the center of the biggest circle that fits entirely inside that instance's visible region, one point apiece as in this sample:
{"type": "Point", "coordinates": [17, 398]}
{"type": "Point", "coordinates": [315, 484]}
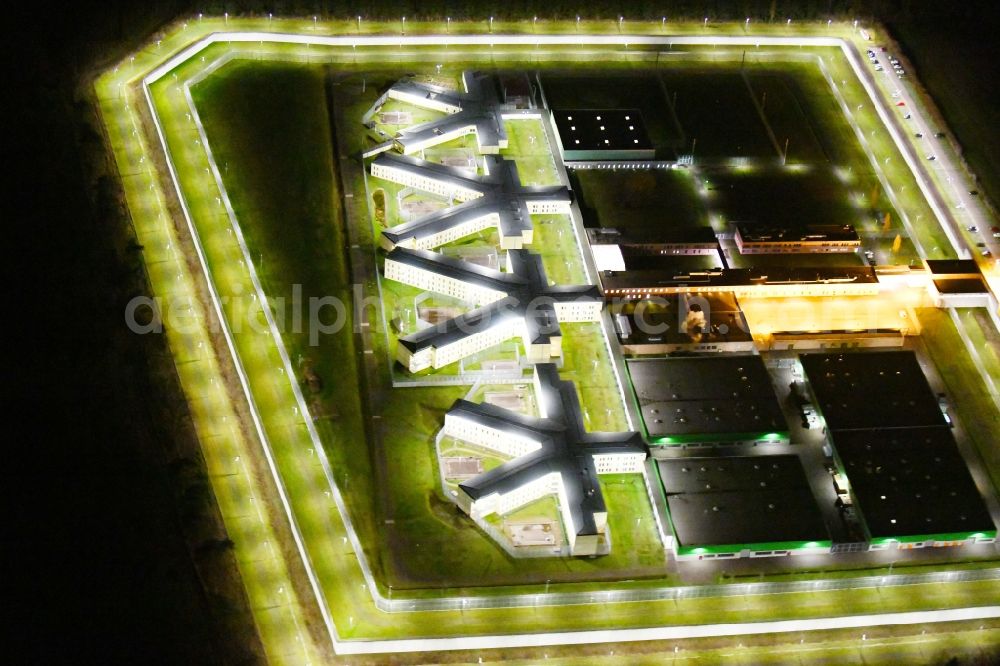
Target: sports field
{"type": "Point", "coordinates": [283, 231]}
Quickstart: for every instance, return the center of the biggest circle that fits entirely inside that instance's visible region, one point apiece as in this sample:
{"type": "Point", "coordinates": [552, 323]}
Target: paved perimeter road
{"type": "Point", "coordinates": [518, 640]}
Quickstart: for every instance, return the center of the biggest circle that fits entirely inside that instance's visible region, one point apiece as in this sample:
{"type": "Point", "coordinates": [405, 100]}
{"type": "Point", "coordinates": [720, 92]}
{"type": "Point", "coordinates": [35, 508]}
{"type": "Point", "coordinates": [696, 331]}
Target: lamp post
{"type": "Point", "coordinates": [578, 23]}
{"type": "Point", "coordinates": [663, 24]}
{"type": "Point", "coordinates": [534, 24]}
{"type": "Point", "coordinates": [402, 27]}
{"type": "Point", "coordinates": [621, 19]}
{"type": "Point", "coordinates": [359, 24]}
{"type": "Point", "coordinates": [448, 25]}
{"type": "Point", "coordinates": [491, 25]}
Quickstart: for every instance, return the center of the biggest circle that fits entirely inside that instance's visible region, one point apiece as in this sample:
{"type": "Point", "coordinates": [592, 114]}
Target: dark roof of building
{"type": "Point", "coordinates": [882, 389]}
{"type": "Point", "coordinates": [753, 232]}
{"type": "Point", "coordinates": [471, 323]}
{"type": "Point", "coordinates": [602, 129]}
{"type": "Point", "coordinates": [911, 482]}
{"type": "Point", "coordinates": [667, 235]}
{"type": "Point", "coordinates": [706, 395]}
{"type": "Point", "coordinates": [458, 176]}
{"type": "Point", "coordinates": [683, 319]}
{"type": "Point", "coordinates": [952, 266]}
{"type": "Point", "coordinates": [515, 85]}
{"type": "Point", "coordinates": [528, 296]}
{"type": "Point", "coordinates": [736, 277]}
{"type": "Point", "coordinates": [479, 104]}
{"type": "Point", "coordinates": [564, 447]}
{"type": "Point", "coordinates": [970, 285]}
{"type": "Point", "coordinates": [465, 271]}
{"type": "Point", "coordinates": [740, 500]}
{"type": "Point", "coordinates": [501, 189]}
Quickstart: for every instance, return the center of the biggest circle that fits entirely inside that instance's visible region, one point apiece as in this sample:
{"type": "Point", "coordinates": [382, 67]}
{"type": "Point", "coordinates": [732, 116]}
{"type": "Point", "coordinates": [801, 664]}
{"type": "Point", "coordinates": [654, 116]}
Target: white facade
{"type": "Point", "coordinates": [502, 504]}
{"type": "Point", "coordinates": [489, 438]}
{"type": "Point", "coordinates": [425, 101]}
{"type": "Point", "coordinates": [516, 242]}
{"type": "Point", "coordinates": [441, 284]}
{"type": "Point", "coordinates": [540, 207]}
{"type": "Point", "coordinates": [424, 181]}
{"type": "Point", "coordinates": [508, 325]}
{"type": "Point", "coordinates": [406, 145]}
{"type": "Point", "coordinates": [549, 484]}
{"type": "Point", "coordinates": [451, 234]}
{"type": "Point", "coordinates": [619, 463]}
{"type": "Point", "coordinates": [578, 311]}
{"type": "Point", "coordinates": [776, 290]}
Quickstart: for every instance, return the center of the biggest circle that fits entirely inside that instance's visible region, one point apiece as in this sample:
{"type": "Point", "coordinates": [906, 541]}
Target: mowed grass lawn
{"type": "Point", "coordinates": [268, 127]}
{"type": "Point", "coordinates": [639, 200]}
{"type": "Point", "coordinates": [967, 391]}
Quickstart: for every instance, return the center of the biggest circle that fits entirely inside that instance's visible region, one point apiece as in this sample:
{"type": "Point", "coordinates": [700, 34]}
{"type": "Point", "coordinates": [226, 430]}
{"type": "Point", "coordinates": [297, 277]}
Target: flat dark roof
{"type": "Point", "coordinates": [640, 238]}
{"type": "Point", "coordinates": [740, 500]}
{"type": "Point", "coordinates": [736, 277]}
{"type": "Point", "coordinates": [911, 482]}
{"type": "Point", "coordinates": [706, 395]}
{"type": "Point", "coordinates": [952, 266]}
{"type": "Point", "coordinates": [884, 389]}
{"type": "Point", "coordinates": [602, 129]}
{"type": "Point", "coordinates": [969, 285]}
{"type": "Point", "coordinates": [755, 232]}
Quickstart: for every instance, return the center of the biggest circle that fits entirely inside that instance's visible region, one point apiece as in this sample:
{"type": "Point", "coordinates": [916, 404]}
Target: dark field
{"type": "Point", "coordinates": [639, 199]}
{"type": "Point", "coordinates": [642, 91]}
{"type": "Point", "coordinates": [781, 197]}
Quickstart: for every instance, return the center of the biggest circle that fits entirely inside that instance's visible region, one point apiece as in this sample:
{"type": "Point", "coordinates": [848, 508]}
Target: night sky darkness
{"type": "Point", "coordinates": [95, 569]}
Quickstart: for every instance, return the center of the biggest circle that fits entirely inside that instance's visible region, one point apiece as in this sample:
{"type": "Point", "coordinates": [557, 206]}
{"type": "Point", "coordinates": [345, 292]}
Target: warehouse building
{"type": "Point", "coordinates": [904, 475]}
{"type": "Point", "coordinates": [517, 303]}
{"type": "Point", "coordinates": [618, 250]}
{"type": "Point", "coordinates": [752, 238]}
{"type": "Point", "coordinates": [741, 506]}
{"type": "Point", "coordinates": [869, 390]}
{"type": "Point", "coordinates": [706, 400]}
{"type": "Point", "coordinates": [551, 454]}
{"type": "Point", "coordinates": [782, 281]}
{"type": "Point", "coordinates": [495, 199]}
{"type": "Point", "coordinates": [912, 487]}
{"type": "Point", "coordinates": [602, 134]}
